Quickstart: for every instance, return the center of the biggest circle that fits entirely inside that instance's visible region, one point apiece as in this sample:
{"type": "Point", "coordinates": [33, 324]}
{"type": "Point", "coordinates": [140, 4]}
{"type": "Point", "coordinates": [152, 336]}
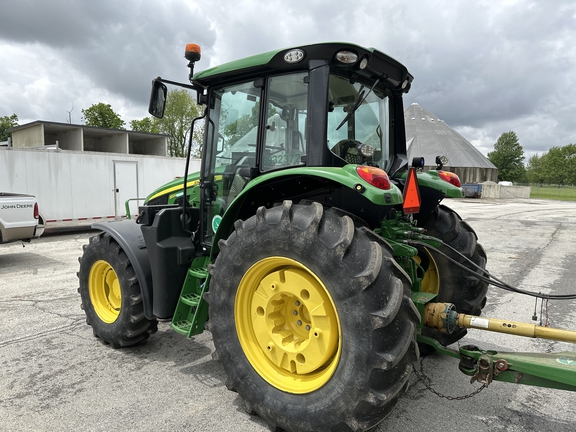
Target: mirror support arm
{"type": "Point", "coordinates": [195, 86]}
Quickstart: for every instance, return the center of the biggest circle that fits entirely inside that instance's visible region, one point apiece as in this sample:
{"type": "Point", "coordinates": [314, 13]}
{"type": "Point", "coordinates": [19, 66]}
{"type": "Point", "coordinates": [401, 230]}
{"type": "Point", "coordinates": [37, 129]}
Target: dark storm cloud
{"type": "Point", "coordinates": [500, 67]}
{"type": "Point", "coordinates": [58, 23]}
{"type": "Point", "coordinates": [484, 67]}
{"type": "Point", "coordinates": [491, 67]}
{"type": "Point", "coordinates": [118, 47]}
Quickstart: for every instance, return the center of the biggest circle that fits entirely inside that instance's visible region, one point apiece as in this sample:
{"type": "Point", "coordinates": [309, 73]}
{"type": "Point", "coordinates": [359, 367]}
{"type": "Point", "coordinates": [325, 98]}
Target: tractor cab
{"type": "Point", "coordinates": [324, 105]}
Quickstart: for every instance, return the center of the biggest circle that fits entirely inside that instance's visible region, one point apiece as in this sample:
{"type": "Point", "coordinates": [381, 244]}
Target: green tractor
{"type": "Point", "coordinates": [316, 254]}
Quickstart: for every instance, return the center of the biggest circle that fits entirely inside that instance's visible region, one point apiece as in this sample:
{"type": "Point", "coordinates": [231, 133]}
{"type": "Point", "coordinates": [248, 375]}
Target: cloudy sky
{"type": "Point", "coordinates": [484, 67]}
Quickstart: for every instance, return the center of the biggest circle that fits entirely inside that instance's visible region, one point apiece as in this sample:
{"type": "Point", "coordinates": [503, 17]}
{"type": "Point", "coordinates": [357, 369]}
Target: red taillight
{"type": "Point", "coordinates": [36, 213]}
{"type": "Point", "coordinates": [374, 176]}
{"type": "Point", "coordinates": [450, 177]}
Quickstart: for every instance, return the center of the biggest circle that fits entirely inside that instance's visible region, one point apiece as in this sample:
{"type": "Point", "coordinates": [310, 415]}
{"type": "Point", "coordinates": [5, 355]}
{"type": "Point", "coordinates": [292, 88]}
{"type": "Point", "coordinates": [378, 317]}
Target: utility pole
{"type": "Point", "coordinates": [70, 114]}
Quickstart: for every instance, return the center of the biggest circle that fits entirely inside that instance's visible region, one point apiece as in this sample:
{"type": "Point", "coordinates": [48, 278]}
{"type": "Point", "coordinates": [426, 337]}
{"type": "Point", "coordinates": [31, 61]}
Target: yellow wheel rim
{"type": "Point", "coordinates": [104, 290]}
{"type": "Point", "coordinates": [287, 325]}
{"type": "Point", "coordinates": [431, 280]}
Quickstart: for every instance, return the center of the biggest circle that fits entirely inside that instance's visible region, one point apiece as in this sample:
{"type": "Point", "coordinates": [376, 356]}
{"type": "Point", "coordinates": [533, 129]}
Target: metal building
{"type": "Point", "coordinates": [85, 173]}
{"type": "Point", "coordinates": [87, 138]}
{"type": "Point", "coordinates": [428, 136]}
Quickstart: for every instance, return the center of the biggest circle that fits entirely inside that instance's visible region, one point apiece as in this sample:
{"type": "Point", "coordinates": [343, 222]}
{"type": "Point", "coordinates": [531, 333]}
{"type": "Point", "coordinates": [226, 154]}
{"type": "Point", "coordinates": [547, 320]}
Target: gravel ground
{"type": "Point", "coordinates": [56, 376]}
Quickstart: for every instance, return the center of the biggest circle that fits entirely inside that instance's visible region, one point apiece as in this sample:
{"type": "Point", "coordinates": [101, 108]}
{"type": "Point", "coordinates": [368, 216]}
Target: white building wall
{"type": "Point", "coordinates": [493, 190]}
{"type": "Point", "coordinates": [70, 140]}
{"type": "Point", "coordinates": [32, 136]}
{"type": "Point", "coordinates": [73, 185]}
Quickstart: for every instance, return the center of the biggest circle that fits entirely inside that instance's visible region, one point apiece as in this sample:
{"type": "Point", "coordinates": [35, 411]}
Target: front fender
{"type": "Point", "coordinates": [129, 236]}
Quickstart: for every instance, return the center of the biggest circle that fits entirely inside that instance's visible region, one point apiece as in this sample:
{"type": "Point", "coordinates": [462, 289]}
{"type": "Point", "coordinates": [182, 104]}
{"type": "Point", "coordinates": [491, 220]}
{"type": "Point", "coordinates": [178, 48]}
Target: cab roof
{"type": "Point", "coordinates": [376, 65]}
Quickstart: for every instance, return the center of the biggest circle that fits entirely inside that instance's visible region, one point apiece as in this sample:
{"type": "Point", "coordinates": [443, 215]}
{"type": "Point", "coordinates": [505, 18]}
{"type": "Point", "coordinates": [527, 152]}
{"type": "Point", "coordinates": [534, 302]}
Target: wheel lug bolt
{"type": "Point", "coordinates": [295, 313]}
{"type": "Point", "coordinates": [307, 327]}
{"type": "Point", "coordinates": [299, 323]}
{"type": "Point", "coordinates": [297, 303]}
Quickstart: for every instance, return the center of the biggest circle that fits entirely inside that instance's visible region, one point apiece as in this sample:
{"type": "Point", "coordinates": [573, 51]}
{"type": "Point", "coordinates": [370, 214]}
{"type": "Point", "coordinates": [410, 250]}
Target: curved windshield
{"type": "Point", "coordinates": [358, 122]}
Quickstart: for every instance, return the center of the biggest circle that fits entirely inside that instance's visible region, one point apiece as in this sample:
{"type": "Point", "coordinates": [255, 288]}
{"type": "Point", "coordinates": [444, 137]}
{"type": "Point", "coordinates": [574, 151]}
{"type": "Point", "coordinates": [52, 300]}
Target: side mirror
{"type": "Point", "coordinates": [157, 99]}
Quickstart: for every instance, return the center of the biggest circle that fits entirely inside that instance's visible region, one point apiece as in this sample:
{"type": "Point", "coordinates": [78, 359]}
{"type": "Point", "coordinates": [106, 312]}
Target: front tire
{"type": "Point", "coordinates": [110, 293]}
{"type": "Point", "coordinates": [312, 320]}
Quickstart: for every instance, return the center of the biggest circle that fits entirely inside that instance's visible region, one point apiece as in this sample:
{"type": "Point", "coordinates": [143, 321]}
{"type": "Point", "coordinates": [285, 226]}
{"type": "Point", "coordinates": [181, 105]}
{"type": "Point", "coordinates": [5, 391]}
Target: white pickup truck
{"type": "Point", "coordinates": [19, 218]}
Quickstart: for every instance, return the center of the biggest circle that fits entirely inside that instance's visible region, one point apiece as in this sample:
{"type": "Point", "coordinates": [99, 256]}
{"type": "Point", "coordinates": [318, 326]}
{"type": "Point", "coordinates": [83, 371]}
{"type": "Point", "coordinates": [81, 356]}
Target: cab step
{"type": "Point", "coordinates": [192, 311]}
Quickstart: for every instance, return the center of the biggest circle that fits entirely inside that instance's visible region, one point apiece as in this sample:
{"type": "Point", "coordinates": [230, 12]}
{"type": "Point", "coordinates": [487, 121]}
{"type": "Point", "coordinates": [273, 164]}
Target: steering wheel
{"type": "Point", "coordinates": [348, 151]}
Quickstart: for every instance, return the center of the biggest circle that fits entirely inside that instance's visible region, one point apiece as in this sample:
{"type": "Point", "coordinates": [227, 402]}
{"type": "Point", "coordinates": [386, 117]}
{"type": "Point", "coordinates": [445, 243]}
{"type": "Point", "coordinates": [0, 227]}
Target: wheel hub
{"type": "Point", "coordinates": [431, 278]}
{"type": "Point", "coordinates": [104, 290]}
{"type": "Point", "coordinates": [287, 325]}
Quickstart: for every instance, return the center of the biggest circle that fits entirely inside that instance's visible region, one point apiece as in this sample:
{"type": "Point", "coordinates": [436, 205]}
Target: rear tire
{"type": "Point", "coordinates": [110, 293]}
{"type": "Point", "coordinates": [312, 319]}
{"type": "Point", "coordinates": [457, 286]}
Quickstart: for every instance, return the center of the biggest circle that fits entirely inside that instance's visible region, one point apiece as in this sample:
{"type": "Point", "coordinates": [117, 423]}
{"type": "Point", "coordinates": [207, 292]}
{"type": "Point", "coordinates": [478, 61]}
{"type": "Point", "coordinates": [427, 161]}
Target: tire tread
{"type": "Point", "coordinates": [132, 326]}
{"type": "Point", "coordinates": [367, 276]}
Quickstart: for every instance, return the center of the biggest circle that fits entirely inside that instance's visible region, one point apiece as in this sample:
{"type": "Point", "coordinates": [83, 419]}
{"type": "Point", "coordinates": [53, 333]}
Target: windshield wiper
{"type": "Point", "coordinates": [361, 98]}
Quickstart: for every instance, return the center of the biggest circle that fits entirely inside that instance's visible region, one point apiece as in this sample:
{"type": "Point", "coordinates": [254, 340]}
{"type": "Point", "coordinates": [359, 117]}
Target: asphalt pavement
{"type": "Point", "coordinates": [56, 376]}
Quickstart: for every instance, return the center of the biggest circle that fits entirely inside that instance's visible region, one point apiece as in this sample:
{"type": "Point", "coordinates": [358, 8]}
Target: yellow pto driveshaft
{"type": "Point", "coordinates": [552, 370]}
{"type": "Point", "coordinates": [444, 317]}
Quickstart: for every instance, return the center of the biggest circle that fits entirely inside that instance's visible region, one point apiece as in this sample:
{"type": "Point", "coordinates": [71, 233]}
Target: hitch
{"type": "Point", "coordinates": [551, 370]}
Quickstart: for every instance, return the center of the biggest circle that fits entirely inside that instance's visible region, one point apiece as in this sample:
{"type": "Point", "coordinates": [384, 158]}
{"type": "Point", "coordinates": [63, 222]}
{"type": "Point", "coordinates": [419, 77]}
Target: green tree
{"type": "Point", "coordinates": [569, 152]}
{"type": "Point", "coordinates": [559, 165]}
{"type": "Point", "coordinates": [508, 157]}
{"type": "Point", "coordinates": [7, 122]}
{"type": "Point", "coordinates": [534, 170]}
{"type": "Point", "coordinates": [236, 130]}
{"type": "Point", "coordinates": [178, 115]}
{"type": "Point", "coordinates": [102, 115]}
{"type": "Point", "coordinates": [147, 124]}
{"type": "Point", "coordinates": [552, 163]}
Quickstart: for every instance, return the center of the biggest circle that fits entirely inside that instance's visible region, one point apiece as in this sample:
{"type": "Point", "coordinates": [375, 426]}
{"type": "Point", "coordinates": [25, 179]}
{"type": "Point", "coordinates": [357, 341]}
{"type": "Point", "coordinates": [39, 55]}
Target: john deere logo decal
{"type": "Point", "coordinates": [216, 222]}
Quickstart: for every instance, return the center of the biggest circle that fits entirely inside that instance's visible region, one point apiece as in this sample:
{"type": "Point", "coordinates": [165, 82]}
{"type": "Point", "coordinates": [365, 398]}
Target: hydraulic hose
{"type": "Point", "coordinates": [484, 275]}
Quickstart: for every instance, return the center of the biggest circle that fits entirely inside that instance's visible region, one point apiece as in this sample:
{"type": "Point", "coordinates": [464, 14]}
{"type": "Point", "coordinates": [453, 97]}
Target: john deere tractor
{"type": "Point", "coordinates": [316, 254]}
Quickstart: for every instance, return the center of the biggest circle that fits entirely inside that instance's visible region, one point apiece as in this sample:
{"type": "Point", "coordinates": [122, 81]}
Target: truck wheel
{"type": "Point", "coordinates": [453, 284]}
{"type": "Point", "coordinates": [312, 319]}
{"type": "Point", "coordinates": [110, 294]}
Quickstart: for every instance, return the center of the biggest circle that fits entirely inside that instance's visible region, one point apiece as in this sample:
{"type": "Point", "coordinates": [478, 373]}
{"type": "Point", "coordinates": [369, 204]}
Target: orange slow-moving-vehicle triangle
{"type": "Point", "coordinates": [411, 193]}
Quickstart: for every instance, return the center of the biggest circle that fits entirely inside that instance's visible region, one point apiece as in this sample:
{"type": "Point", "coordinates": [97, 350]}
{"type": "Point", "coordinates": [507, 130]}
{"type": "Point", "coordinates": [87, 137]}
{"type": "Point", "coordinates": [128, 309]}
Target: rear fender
{"type": "Point", "coordinates": [432, 180]}
{"type": "Point", "coordinates": [433, 190]}
{"type": "Point", "coordinates": [335, 187]}
{"type": "Point", "coordinates": [129, 236]}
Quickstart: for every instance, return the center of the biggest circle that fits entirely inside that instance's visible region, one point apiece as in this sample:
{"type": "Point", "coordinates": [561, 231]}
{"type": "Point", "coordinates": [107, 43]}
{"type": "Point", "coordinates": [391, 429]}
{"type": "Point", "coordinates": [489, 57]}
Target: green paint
{"type": "Point", "coordinates": [432, 180]}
